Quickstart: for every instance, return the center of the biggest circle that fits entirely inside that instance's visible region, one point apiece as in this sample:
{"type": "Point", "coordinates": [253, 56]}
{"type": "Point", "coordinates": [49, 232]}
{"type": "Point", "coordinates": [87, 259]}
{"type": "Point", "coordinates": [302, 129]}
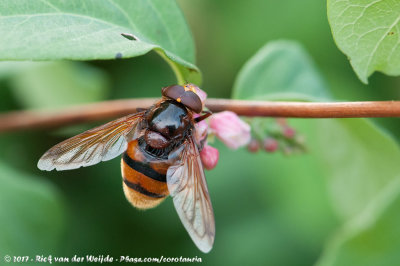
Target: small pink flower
{"type": "Point", "coordinates": [201, 130]}
{"type": "Point", "coordinates": [230, 129]}
{"type": "Point", "coordinates": [253, 146]}
{"type": "Point", "coordinates": [289, 132]}
{"type": "Point", "coordinates": [281, 121]}
{"type": "Point", "coordinates": [270, 144]}
{"type": "Point", "coordinates": [202, 95]}
{"type": "Point", "coordinates": [209, 157]}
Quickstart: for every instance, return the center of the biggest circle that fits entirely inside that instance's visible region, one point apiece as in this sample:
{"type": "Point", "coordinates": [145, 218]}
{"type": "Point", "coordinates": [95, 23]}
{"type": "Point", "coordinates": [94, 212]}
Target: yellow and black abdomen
{"type": "Point", "coordinates": [144, 177]}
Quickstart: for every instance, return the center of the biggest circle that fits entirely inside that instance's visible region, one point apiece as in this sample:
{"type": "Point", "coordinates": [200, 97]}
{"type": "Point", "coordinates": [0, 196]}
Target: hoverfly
{"type": "Point", "coordinates": [160, 158]}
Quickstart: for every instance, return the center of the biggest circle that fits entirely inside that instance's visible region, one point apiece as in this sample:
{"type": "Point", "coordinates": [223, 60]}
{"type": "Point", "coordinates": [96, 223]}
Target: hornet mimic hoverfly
{"type": "Point", "coordinates": [160, 158]}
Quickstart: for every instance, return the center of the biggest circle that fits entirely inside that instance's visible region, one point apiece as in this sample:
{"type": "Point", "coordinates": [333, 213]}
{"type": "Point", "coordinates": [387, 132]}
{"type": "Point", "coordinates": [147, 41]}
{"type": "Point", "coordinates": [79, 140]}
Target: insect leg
{"type": "Point", "coordinates": [204, 116]}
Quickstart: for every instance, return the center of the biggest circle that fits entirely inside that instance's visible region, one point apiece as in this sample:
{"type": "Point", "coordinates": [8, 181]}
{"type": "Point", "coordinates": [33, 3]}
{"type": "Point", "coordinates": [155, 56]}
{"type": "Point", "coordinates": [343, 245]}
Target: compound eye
{"type": "Point", "coordinates": [192, 101]}
{"type": "Point", "coordinates": [173, 91]}
{"type": "Point", "coordinates": [185, 95]}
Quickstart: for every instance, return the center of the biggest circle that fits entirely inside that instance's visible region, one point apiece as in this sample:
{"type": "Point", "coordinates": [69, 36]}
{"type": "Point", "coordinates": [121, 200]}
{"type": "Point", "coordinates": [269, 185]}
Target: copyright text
{"type": "Point", "coordinates": [96, 259]}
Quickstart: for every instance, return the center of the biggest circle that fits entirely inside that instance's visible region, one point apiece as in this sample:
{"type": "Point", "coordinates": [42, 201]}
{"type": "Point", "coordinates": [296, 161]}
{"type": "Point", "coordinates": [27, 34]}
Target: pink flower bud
{"type": "Point", "coordinates": [289, 132]}
{"type": "Point", "coordinates": [209, 157]}
{"type": "Point", "coordinates": [202, 95]}
{"type": "Point", "coordinates": [201, 130]}
{"type": "Point", "coordinates": [253, 146]}
{"type": "Point", "coordinates": [270, 144]}
{"type": "Point", "coordinates": [281, 121]}
{"type": "Point", "coordinates": [230, 129]}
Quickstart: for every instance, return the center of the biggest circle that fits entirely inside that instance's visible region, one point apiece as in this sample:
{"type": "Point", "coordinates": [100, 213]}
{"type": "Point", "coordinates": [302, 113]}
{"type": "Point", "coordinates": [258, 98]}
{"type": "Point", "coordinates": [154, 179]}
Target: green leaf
{"type": "Point", "coordinates": [372, 238]}
{"type": "Point", "coordinates": [51, 85]}
{"type": "Point", "coordinates": [359, 164]}
{"type": "Point", "coordinates": [31, 214]}
{"type": "Point", "coordinates": [367, 31]}
{"type": "Point", "coordinates": [10, 68]}
{"type": "Point", "coordinates": [364, 181]}
{"type": "Point", "coordinates": [89, 30]}
{"type": "Point", "coordinates": [359, 160]}
{"type": "Point", "coordinates": [280, 70]}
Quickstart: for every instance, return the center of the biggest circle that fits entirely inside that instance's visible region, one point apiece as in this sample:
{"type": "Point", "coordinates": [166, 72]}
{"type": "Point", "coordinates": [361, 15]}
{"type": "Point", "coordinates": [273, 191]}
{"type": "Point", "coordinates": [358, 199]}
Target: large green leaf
{"type": "Point", "coordinates": [57, 84]}
{"type": "Point", "coordinates": [10, 68]}
{"type": "Point", "coordinates": [281, 70]}
{"type": "Point", "coordinates": [367, 31]}
{"type": "Point", "coordinates": [359, 163]}
{"type": "Point", "coordinates": [31, 214]}
{"type": "Point", "coordinates": [364, 179]}
{"type": "Point", "coordinates": [88, 30]}
{"type": "Point", "coordinates": [372, 238]}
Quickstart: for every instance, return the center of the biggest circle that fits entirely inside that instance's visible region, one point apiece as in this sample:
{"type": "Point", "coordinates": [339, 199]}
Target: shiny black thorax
{"type": "Point", "coordinates": [170, 119]}
{"type": "Point", "coordinates": [167, 124]}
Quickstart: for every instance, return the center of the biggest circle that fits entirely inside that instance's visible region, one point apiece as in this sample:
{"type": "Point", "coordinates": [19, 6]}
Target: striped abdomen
{"type": "Point", "coordinates": [144, 179]}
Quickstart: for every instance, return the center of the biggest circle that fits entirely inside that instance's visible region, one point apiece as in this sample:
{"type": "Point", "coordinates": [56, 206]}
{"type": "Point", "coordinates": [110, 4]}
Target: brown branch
{"type": "Point", "coordinates": [20, 120]}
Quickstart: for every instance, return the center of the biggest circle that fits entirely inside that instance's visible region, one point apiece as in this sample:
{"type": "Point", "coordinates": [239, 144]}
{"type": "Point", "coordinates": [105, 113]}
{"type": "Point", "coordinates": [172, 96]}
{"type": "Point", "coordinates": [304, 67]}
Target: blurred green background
{"type": "Point", "coordinates": [270, 209]}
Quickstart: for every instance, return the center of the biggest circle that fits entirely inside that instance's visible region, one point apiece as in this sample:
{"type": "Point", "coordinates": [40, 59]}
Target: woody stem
{"type": "Point", "coordinates": [20, 120]}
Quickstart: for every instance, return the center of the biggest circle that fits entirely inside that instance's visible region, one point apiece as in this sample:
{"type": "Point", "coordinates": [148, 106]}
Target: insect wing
{"type": "Point", "coordinates": [91, 147]}
{"type": "Point", "coordinates": [188, 187]}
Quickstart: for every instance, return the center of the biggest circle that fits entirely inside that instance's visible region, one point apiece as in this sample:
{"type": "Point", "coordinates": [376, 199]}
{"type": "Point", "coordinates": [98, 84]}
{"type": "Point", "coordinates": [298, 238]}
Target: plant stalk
{"type": "Point", "coordinates": [22, 120]}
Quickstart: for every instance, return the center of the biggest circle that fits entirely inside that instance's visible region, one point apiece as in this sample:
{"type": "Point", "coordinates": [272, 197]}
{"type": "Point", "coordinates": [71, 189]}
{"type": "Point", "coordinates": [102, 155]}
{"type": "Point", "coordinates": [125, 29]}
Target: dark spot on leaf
{"type": "Point", "coordinates": [130, 36]}
{"type": "Point", "coordinates": [391, 33]}
{"type": "Point", "coordinates": [192, 70]}
{"type": "Point", "coordinates": [118, 56]}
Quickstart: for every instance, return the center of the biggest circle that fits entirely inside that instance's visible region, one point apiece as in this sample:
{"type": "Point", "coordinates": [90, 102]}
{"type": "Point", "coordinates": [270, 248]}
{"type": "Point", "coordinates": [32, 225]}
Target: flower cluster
{"type": "Point", "coordinates": [227, 127]}
{"type": "Point", "coordinates": [269, 134]}
{"type": "Point", "coordinates": [275, 134]}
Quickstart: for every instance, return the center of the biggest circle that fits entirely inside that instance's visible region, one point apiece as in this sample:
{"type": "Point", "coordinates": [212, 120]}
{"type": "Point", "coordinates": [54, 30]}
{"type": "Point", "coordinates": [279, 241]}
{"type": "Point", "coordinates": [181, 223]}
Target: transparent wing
{"type": "Point", "coordinates": [91, 147]}
{"type": "Point", "coordinates": [188, 187]}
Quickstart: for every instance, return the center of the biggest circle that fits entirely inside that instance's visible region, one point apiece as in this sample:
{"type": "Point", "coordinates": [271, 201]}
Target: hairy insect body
{"type": "Point", "coordinates": [144, 177]}
{"type": "Point", "coordinates": [145, 163]}
{"type": "Point", "coordinates": [161, 157]}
